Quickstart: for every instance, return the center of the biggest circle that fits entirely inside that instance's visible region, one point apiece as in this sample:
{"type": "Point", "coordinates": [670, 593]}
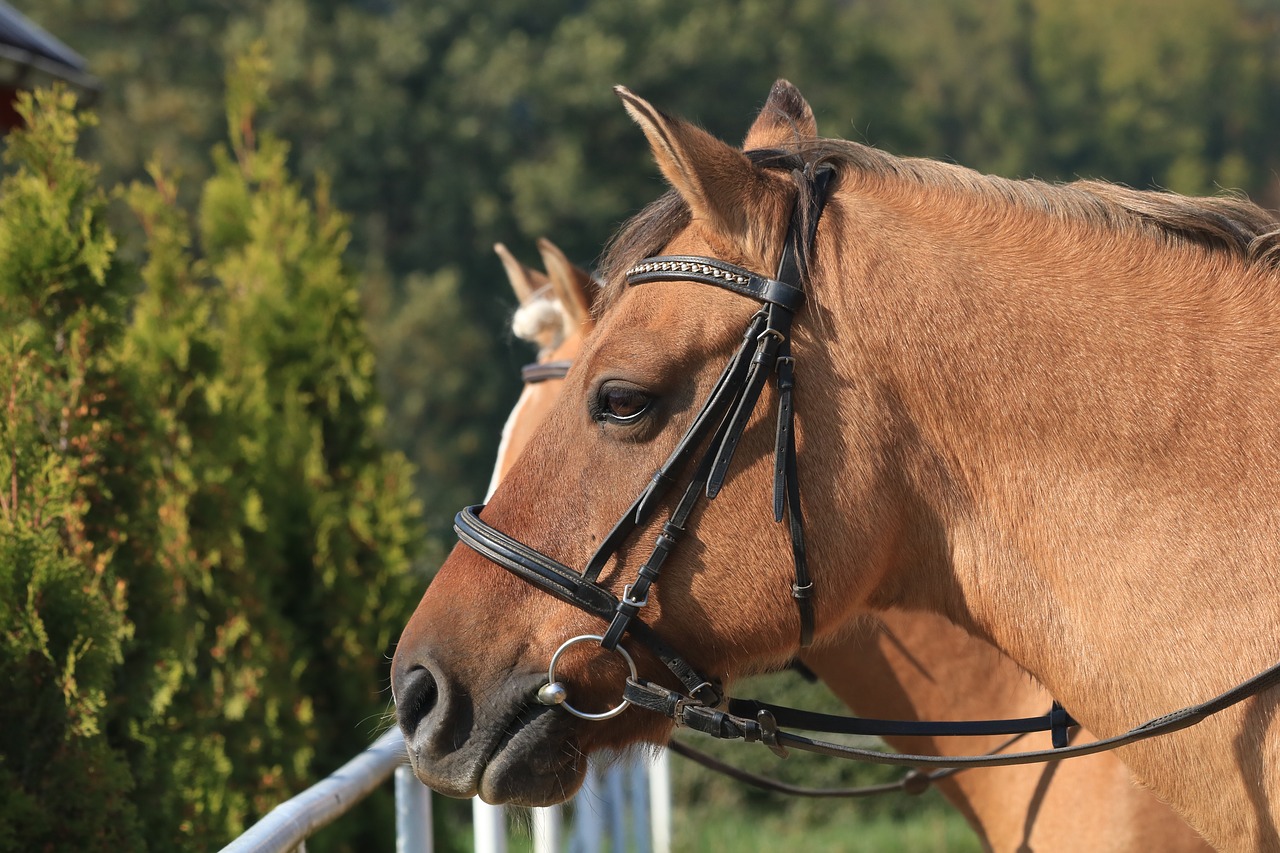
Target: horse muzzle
{"type": "Point", "coordinates": [502, 745]}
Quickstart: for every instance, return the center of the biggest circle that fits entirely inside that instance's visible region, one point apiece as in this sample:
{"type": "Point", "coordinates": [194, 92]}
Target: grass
{"type": "Point", "coordinates": [824, 827]}
{"type": "Point", "coordinates": [933, 832]}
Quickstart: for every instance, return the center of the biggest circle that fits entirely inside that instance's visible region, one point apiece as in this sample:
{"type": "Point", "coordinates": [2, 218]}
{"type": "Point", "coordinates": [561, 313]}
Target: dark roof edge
{"type": "Point", "coordinates": [37, 69]}
{"type": "Point", "coordinates": [19, 31]}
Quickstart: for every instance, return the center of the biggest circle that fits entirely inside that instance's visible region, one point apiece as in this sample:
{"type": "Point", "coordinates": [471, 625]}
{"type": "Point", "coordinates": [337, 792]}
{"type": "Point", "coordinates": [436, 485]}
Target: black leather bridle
{"type": "Point", "coordinates": [765, 351]}
{"type": "Point", "coordinates": [766, 345]}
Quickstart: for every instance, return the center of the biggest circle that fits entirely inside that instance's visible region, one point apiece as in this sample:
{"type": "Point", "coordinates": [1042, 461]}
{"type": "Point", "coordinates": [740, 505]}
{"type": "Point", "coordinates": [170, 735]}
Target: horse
{"type": "Point", "coordinates": [899, 664]}
{"type": "Point", "coordinates": [1041, 413]}
{"type": "Point", "coordinates": [555, 308]}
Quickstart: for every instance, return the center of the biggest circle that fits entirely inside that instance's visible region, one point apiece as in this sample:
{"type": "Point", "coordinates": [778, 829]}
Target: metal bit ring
{"type": "Point", "coordinates": [554, 693]}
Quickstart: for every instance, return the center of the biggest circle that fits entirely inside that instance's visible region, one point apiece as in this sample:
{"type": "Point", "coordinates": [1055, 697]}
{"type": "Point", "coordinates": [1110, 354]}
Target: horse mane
{"type": "Point", "coordinates": [1229, 223]}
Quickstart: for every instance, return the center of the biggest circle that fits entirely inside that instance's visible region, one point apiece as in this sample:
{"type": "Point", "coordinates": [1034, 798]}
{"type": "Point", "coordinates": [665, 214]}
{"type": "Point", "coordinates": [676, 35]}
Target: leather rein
{"type": "Point", "coordinates": [765, 351]}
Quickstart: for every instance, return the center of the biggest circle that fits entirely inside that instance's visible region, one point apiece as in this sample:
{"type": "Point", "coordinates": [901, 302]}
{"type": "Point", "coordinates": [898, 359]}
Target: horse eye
{"type": "Point", "coordinates": [621, 404]}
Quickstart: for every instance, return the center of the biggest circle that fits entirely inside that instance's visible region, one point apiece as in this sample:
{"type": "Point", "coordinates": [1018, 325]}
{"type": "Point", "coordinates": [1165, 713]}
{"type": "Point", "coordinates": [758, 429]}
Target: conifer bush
{"type": "Point", "coordinates": [204, 549]}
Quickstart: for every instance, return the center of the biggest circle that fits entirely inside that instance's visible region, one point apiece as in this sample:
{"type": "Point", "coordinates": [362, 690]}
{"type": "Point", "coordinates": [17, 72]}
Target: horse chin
{"type": "Point", "coordinates": [538, 763]}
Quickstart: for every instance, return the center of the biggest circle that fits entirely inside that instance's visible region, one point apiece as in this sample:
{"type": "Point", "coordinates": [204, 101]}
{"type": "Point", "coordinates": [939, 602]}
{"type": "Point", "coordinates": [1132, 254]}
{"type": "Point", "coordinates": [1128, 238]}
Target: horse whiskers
{"type": "Point", "coordinates": [381, 722]}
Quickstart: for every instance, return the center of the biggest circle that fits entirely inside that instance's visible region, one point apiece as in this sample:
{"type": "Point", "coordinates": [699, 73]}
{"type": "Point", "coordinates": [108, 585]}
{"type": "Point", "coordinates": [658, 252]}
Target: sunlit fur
{"type": "Point", "coordinates": [918, 666]}
{"type": "Point", "coordinates": [1050, 427]}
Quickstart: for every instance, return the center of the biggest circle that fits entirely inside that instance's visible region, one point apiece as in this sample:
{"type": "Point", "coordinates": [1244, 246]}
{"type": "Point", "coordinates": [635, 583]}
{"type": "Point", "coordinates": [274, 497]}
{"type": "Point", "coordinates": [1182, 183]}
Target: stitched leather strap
{"type": "Point", "coordinates": [721, 398]}
{"type": "Point", "coordinates": [547, 574]}
{"type": "Point", "coordinates": [717, 273]}
{"type": "Point", "coordinates": [816, 722]}
{"type": "Point", "coordinates": [557, 579]}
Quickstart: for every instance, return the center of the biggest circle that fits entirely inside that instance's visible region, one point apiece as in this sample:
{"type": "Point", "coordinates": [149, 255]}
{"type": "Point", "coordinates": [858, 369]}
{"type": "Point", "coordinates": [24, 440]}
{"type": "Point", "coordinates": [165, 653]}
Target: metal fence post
{"type": "Point", "coordinates": [638, 784]}
{"type": "Point", "coordinates": [615, 806]}
{"type": "Point", "coordinates": [413, 813]}
{"type": "Point", "coordinates": [548, 830]}
{"type": "Point", "coordinates": [588, 820]}
{"type": "Point", "coordinates": [490, 826]}
{"type": "Point", "coordinates": [660, 800]}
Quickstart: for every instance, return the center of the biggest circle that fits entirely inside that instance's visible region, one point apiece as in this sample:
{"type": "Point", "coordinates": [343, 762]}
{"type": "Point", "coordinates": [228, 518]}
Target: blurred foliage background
{"type": "Point", "coordinates": [448, 125]}
{"type": "Point", "coordinates": [211, 550]}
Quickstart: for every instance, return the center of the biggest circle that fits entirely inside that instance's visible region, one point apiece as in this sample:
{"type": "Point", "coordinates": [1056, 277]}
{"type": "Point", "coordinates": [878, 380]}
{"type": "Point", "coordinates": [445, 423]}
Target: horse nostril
{"type": "Point", "coordinates": [416, 695]}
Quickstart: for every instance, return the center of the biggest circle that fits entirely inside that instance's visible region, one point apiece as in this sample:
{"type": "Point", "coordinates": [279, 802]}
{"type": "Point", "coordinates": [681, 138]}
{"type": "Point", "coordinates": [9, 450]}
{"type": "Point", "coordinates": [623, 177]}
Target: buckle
{"type": "Point", "coordinates": [626, 596]}
{"type": "Point", "coordinates": [707, 694]}
{"type": "Point", "coordinates": [769, 733]}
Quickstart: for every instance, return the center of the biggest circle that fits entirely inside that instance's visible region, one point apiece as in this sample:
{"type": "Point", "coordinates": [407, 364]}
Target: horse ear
{"type": "Point", "coordinates": [571, 284]}
{"type": "Point", "coordinates": [524, 281]}
{"type": "Point", "coordinates": [717, 181]}
{"type": "Point", "coordinates": [786, 117]}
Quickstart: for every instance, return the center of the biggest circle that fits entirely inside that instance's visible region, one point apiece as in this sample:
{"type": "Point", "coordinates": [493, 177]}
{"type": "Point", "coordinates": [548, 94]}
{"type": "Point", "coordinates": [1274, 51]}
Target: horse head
{"type": "Point", "coordinates": [476, 652]}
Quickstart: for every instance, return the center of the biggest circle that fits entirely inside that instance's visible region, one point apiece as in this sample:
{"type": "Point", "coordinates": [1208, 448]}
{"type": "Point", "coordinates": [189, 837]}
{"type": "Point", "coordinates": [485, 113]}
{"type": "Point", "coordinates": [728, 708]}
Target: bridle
{"type": "Point", "coordinates": [544, 371]}
{"type": "Point", "coordinates": [766, 345]}
{"type": "Point", "coordinates": [765, 350]}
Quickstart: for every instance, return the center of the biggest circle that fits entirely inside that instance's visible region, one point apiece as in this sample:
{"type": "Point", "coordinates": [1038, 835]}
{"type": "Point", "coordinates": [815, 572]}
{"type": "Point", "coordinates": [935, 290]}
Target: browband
{"type": "Point", "coordinates": [544, 371]}
{"type": "Point", "coordinates": [718, 273]}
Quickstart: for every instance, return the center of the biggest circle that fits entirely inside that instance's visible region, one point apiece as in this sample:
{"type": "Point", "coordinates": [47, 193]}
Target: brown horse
{"type": "Point", "coordinates": [1045, 414]}
{"type": "Point", "coordinates": [554, 312]}
{"type": "Point", "coordinates": [903, 665]}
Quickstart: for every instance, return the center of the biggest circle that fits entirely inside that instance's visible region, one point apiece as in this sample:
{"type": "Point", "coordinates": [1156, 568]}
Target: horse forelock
{"type": "Point", "coordinates": [642, 236]}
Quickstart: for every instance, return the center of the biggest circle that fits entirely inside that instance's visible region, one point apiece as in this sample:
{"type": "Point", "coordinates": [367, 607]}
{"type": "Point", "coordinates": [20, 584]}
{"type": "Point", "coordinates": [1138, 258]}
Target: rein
{"type": "Point", "coordinates": [765, 350]}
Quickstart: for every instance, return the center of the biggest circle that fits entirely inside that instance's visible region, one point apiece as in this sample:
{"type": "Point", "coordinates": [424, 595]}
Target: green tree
{"type": "Point", "coordinates": [296, 528]}
{"type": "Point", "coordinates": [447, 127]}
{"type": "Point", "coordinates": [63, 628]}
{"type": "Point", "coordinates": [206, 551]}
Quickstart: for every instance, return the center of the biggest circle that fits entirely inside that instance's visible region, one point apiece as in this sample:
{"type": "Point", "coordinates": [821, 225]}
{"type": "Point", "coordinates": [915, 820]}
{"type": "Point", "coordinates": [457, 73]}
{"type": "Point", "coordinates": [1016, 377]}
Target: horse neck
{"type": "Point", "coordinates": [1053, 405]}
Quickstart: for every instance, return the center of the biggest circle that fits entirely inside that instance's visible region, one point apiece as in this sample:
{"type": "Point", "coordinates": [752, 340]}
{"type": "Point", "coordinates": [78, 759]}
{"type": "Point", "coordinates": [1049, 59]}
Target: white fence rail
{"type": "Point", "coordinates": [641, 789]}
{"type": "Point", "coordinates": [288, 826]}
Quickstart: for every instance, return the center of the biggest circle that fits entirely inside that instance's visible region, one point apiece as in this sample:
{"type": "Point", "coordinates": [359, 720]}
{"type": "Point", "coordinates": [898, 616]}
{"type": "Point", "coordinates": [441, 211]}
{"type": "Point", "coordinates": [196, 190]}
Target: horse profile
{"type": "Point", "coordinates": [1042, 414]}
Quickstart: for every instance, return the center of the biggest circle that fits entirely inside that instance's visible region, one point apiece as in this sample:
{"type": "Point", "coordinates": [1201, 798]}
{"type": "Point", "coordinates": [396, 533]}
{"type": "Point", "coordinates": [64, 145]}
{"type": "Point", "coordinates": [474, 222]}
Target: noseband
{"type": "Point", "coordinates": [765, 350]}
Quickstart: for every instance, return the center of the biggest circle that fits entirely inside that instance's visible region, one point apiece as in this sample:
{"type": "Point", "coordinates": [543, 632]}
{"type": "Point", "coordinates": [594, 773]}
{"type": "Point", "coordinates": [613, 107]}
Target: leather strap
{"type": "Point", "coordinates": [721, 398]}
{"type": "Point", "coordinates": [557, 579]}
{"type": "Point", "coordinates": [720, 274]}
{"type": "Point", "coordinates": [764, 728]}
{"type": "Point", "coordinates": [914, 782]}
{"type": "Point", "coordinates": [816, 722]}
{"type": "Point", "coordinates": [543, 371]}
